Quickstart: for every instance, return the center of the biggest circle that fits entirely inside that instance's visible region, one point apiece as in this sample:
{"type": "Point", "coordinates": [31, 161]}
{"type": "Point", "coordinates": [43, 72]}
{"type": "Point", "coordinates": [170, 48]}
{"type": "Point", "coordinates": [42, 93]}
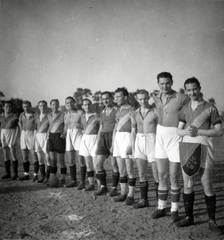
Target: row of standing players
{"type": "Point", "coordinates": [128, 136]}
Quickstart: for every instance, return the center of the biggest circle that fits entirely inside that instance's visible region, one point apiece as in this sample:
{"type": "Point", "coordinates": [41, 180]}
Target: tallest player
{"type": "Point", "coordinates": [168, 104]}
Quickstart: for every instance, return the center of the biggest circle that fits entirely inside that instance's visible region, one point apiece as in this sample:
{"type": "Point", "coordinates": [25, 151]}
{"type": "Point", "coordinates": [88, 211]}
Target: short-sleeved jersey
{"type": "Point", "coordinates": [205, 115]}
{"type": "Point", "coordinates": [91, 123]}
{"type": "Point", "coordinates": [73, 120]}
{"type": "Point", "coordinates": [123, 118]}
{"type": "Point", "coordinates": [56, 122]}
{"type": "Point", "coordinates": [108, 120]}
{"type": "Point", "coordinates": [27, 123]}
{"type": "Point", "coordinates": [9, 122]}
{"type": "Point", "coordinates": [42, 125]}
{"type": "Point", "coordinates": [168, 113]}
{"type": "Point", "coordinates": [146, 124]}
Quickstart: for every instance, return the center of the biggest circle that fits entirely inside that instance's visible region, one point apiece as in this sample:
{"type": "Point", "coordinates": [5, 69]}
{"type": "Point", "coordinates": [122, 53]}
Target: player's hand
{"type": "Point", "coordinates": [62, 135]}
{"type": "Point", "coordinates": [192, 131]}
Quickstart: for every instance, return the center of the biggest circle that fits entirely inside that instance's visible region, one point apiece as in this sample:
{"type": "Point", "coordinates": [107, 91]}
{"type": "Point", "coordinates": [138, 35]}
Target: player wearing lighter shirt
{"type": "Point", "coordinates": [56, 141]}
{"type": "Point", "coordinates": [73, 130]}
{"type": "Point", "coordinates": [168, 105]}
{"type": "Point", "coordinates": [143, 137]}
{"type": "Point", "coordinates": [41, 141]}
{"type": "Point", "coordinates": [122, 146]}
{"type": "Point", "coordinates": [27, 127]}
{"type": "Point", "coordinates": [9, 134]}
{"type": "Point", "coordinates": [199, 122]}
{"type": "Point", "coordinates": [90, 122]}
{"type": "Point", "coordinates": [104, 144]}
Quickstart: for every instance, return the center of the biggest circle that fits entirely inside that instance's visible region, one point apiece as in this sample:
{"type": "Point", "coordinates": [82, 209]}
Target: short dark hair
{"type": "Point", "coordinates": [123, 90]}
{"type": "Point", "coordinates": [70, 97]}
{"type": "Point", "coordinates": [142, 91]}
{"type": "Point", "coordinates": [42, 101]}
{"type": "Point", "coordinates": [86, 99]}
{"type": "Point", "coordinates": [192, 80]}
{"type": "Point", "coordinates": [54, 100]}
{"type": "Point", "coordinates": [8, 102]}
{"type": "Point", "coordinates": [164, 75]}
{"type": "Point", "coordinates": [27, 102]}
{"type": "Point", "coordinates": [107, 92]}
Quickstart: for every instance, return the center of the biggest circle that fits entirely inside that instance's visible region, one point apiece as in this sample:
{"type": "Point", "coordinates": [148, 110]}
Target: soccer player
{"type": "Point", "coordinates": [90, 122]}
{"type": "Point", "coordinates": [104, 144]}
{"type": "Point", "coordinates": [122, 148]}
{"type": "Point", "coordinates": [168, 105]}
{"type": "Point", "coordinates": [143, 138]}
{"type": "Point", "coordinates": [73, 129]}
{"type": "Point", "coordinates": [9, 133]}
{"type": "Point", "coordinates": [199, 122]}
{"type": "Point", "coordinates": [27, 127]}
{"type": "Point", "coordinates": [56, 141]}
{"type": "Point", "coordinates": [41, 141]}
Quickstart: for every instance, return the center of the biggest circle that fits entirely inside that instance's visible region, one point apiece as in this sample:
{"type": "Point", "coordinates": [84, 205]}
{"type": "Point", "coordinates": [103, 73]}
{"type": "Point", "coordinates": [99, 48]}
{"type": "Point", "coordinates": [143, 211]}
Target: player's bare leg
{"type": "Point", "coordinates": [163, 173]}
{"type": "Point", "coordinates": [35, 165]}
{"type": "Point", "coordinates": [123, 180]}
{"type": "Point", "coordinates": [115, 177]}
{"type": "Point", "coordinates": [101, 175]}
{"type": "Point", "coordinates": [90, 173]}
{"type": "Point", "coordinates": [82, 164]}
{"type": "Point", "coordinates": [7, 163]}
{"type": "Point", "coordinates": [143, 179]}
{"type": "Point", "coordinates": [72, 156]}
{"type": "Point", "coordinates": [26, 164]}
{"type": "Point", "coordinates": [61, 159]}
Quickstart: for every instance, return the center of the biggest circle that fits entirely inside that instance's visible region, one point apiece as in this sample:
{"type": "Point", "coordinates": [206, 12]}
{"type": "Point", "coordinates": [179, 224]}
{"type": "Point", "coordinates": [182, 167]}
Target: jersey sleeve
{"type": "Point", "coordinates": [215, 117]}
{"type": "Point", "coordinates": [182, 115]}
{"type": "Point", "coordinates": [133, 120]}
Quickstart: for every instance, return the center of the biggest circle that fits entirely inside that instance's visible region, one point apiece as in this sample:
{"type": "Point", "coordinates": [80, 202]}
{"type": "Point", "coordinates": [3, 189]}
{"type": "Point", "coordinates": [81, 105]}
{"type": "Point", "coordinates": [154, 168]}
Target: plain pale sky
{"type": "Point", "coordinates": [48, 48]}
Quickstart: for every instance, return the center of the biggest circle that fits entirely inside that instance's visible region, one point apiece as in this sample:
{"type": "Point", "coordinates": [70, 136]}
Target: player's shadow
{"type": "Point", "coordinates": [26, 188]}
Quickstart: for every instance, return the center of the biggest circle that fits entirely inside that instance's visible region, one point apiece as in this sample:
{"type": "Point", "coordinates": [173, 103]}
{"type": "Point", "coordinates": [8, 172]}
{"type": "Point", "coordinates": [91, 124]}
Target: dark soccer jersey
{"type": "Point", "coordinates": [123, 118]}
{"type": "Point", "coordinates": [91, 126]}
{"type": "Point", "coordinates": [56, 122]}
{"type": "Point", "coordinates": [107, 120]}
{"type": "Point", "coordinates": [205, 115]}
{"type": "Point", "coordinates": [168, 113]}
{"type": "Point", "coordinates": [42, 125]}
{"type": "Point", "coordinates": [9, 122]}
{"type": "Point", "coordinates": [27, 123]}
{"type": "Point", "coordinates": [145, 124]}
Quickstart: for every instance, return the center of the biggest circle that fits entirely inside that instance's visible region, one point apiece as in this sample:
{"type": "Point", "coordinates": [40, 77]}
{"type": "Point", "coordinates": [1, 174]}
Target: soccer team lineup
{"type": "Point", "coordinates": [175, 132]}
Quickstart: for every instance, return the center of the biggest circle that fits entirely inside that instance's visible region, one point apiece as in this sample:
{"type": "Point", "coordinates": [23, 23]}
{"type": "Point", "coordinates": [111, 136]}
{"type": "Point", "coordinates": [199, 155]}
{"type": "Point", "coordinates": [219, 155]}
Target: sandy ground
{"type": "Point", "coordinates": [33, 211]}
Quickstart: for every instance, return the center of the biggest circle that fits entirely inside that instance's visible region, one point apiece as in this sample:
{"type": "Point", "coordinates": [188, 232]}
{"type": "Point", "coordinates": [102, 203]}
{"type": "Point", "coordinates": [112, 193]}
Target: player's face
{"type": "Point", "coordinates": [26, 107]}
{"type": "Point", "coordinates": [54, 106]}
{"type": "Point", "coordinates": [107, 100]}
{"type": "Point", "coordinates": [42, 107]}
{"type": "Point", "coordinates": [120, 98]}
{"type": "Point", "coordinates": [87, 106]}
{"type": "Point", "coordinates": [193, 91]}
{"type": "Point", "coordinates": [165, 85]}
{"type": "Point", "coordinates": [143, 99]}
{"type": "Point", "coordinates": [70, 103]}
{"type": "Point", "coordinates": [8, 108]}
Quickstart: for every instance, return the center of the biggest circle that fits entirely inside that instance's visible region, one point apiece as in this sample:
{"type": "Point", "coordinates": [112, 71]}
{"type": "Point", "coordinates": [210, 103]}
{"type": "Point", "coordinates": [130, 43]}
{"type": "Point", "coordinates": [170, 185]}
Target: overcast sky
{"type": "Point", "coordinates": [49, 48]}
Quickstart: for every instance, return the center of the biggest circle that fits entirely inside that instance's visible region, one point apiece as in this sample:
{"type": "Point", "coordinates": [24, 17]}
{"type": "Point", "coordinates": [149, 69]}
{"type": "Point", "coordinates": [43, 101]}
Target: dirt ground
{"type": "Point", "coordinates": [33, 211]}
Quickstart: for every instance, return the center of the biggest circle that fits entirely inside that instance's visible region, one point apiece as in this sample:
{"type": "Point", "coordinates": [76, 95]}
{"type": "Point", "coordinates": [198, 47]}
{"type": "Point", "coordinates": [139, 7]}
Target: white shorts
{"type": "Point", "coordinates": [145, 146]}
{"type": "Point", "coordinates": [122, 145]}
{"type": "Point", "coordinates": [207, 160]}
{"type": "Point", "coordinates": [167, 143]}
{"type": "Point", "coordinates": [73, 139]}
{"type": "Point", "coordinates": [41, 142]}
{"type": "Point", "coordinates": [88, 145]}
{"type": "Point", "coordinates": [8, 137]}
{"type": "Point", "coordinates": [26, 140]}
